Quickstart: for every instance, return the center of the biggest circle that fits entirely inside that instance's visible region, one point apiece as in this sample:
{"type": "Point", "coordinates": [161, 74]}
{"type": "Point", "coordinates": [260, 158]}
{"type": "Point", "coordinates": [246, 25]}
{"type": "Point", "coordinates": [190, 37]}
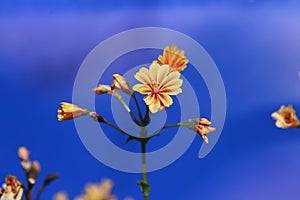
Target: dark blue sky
{"type": "Point", "coordinates": [255, 45]}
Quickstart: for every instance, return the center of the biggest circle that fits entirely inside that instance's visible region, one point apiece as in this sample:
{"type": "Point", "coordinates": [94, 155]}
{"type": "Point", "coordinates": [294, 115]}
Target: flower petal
{"type": "Point", "coordinates": [149, 99]}
{"type": "Point", "coordinates": [171, 76]}
{"type": "Point", "coordinates": [143, 76]}
{"type": "Point", "coordinates": [154, 108]}
{"type": "Point", "coordinates": [153, 71]}
{"type": "Point", "coordinates": [162, 73]}
{"type": "Point", "coordinates": [165, 99]}
{"type": "Point", "coordinates": [143, 89]}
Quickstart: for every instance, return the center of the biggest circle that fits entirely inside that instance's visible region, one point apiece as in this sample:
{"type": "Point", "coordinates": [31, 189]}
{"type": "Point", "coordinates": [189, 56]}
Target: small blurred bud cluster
{"type": "Point", "coordinates": [13, 189]}
{"type": "Point", "coordinates": [93, 191]}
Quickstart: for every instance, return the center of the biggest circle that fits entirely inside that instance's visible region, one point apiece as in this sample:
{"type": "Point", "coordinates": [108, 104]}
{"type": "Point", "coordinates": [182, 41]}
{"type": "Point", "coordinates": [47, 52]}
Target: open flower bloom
{"type": "Point", "coordinates": [12, 189]}
{"type": "Point", "coordinates": [102, 89]}
{"type": "Point", "coordinates": [159, 82]}
{"type": "Point", "coordinates": [121, 83]}
{"type": "Point", "coordinates": [286, 117]}
{"type": "Point", "coordinates": [70, 111]}
{"type": "Point", "coordinates": [173, 57]}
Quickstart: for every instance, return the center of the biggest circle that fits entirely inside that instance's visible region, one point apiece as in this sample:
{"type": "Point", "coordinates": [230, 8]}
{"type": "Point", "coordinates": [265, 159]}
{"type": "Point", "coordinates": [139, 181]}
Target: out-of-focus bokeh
{"type": "Point", "coordinates": [255, 44]}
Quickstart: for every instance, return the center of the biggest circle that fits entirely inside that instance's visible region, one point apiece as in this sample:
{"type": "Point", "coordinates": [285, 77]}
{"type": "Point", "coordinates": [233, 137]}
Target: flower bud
{"type": "Point", "coordinates": [102, 89]}
{"type": "Point", "coordinates": [70, 111]}
{"type": "Point", "coordinates": [121, 83]}
{"type": "Point", "coordinates": [23, 153]}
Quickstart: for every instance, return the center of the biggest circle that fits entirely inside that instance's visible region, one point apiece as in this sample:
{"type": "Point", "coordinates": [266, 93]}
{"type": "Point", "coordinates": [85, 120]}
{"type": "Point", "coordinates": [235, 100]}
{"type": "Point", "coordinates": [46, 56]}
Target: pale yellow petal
{"type": "Point", "coordinates": [175, 83]}
{"type": "Point", "coordinates": [143, 76]}
{"type": "Point", "coordinates": [143, 89]}
{"type": "Point", "coordinates": [153, 71]}
{"type": "Point", "coordinates": [279, 124]}
{"type": "Point", "coordinates": [154, 108]}
{"type": "Point", "coordinates": [153, 102]}
{"type": "Point", "coordinates": [162, 73]}
{"type": "Point", "coordinates": [165, 99]}
{"type": "Point", "coordinates": [175, 91]}
{"type": "Point", "coordinates": [149, 99]}
{"type": "Point", "coordinates": [171, 76]}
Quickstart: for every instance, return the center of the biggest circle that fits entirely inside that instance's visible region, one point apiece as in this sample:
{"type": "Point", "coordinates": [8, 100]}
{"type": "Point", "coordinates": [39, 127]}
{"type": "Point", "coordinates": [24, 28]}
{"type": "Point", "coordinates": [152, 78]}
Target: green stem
{"type": "Point", "coordinates": [167, 126]}
{"type": "Point", "coordinates": [117, 128]}
{"type": "Point", "coordinates": [138, 106]}
{"type": "Point", "coordinates": [144, 183]}
{"type": "Point", "coordinates": [146, 118]}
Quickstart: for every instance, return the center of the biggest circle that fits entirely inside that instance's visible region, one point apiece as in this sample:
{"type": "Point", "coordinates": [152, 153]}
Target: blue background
{"type": "Point", "coordinates": [255, 44]}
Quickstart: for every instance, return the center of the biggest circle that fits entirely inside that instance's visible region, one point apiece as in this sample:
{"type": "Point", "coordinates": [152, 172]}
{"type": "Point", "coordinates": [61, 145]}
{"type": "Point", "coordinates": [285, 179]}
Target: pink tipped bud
{"type": "Point", "coordinates": [23, 153]}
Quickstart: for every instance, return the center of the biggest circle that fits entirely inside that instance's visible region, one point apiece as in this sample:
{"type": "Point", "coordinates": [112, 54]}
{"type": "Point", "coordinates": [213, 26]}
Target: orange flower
{"type": "Point", "coordinates": [159, 82]}
{"type": "Point", "coordinates": [70, 111]}
{"type": "Point", "coordinates": [173, 57]}
{"type": "Point", "coordinates": [286, 117]}
{"type": "Point", "coordinates": [121, 83]}
{"type": "Point", "coordinates": [102, 89]}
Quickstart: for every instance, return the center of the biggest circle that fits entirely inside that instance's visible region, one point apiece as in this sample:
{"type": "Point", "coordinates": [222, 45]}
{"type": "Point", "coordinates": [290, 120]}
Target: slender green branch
{"type": "Point", "coordinates": [131, 137]}
{"type": "Point", "coordinates": [164, 127]}
{"type": "Point", "coordinates": [121, 100]}
{"type": "Point", "coordinates": [139, 123]}
{"type": "Point", "coordinates": [138, 106]}
{"type": "Point", "coordinates": [146, 118]}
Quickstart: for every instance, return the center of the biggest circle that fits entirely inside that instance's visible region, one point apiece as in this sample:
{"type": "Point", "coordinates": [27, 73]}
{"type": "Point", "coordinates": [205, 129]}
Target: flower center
{"type": "Point", "coordinates": [155, 87]}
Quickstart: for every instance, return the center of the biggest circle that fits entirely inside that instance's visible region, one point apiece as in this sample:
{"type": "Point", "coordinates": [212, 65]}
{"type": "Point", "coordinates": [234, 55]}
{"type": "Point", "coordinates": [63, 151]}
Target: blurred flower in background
{"type": "Point", "coordinates": [286, 117]}
{"type": "Point", "coordinates": [61, 196]}
{"type": "Point", "coordinates": [173, 57]}
{"type": "Point", "coordinates": [12, 189]}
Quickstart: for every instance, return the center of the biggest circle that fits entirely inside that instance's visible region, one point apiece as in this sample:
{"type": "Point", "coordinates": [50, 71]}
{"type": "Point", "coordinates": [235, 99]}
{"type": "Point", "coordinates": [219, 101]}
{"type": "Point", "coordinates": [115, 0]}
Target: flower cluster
{"type": "Point", "coordinates": [98, 191]}
{"type": "Point", "coordinates": [159, 83]}
{"type": "Point", "coordinates": [286, 117]}
{"type": "Point", "coordinates": [94, 191]}
{"type": "Point", "coordinates": [13, 189]}
{"type": "Point", "coordinates": [32, 169]}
